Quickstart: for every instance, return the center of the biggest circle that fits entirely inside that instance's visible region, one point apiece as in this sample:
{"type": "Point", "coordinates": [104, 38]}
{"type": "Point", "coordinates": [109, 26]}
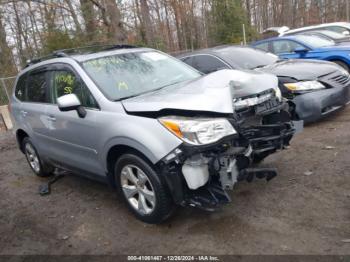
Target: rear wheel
{"type": "Point", "coordinates": [145, 194]}
{"type": "Point", "coordinates": [342, 64]}
{"type": "Point", "coordinates": [34, 161]}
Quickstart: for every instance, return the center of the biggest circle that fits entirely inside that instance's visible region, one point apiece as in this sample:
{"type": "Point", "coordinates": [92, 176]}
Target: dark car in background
{"type": "Point", "coordinates": [262, 115]}
{"type": "Point", "coordinates": [317, 88]}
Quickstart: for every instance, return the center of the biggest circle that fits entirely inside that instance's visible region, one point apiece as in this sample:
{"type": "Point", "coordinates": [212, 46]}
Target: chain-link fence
{"type": "Point", "coordinates": [6, 86]}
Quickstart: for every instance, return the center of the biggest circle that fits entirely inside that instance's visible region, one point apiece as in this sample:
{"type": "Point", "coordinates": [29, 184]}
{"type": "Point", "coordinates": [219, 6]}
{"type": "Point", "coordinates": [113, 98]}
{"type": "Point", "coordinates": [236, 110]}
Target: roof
{"type": "Point", "coordinates": [344, 24]}
{"type": "Point", "coordinates": [82, 53]}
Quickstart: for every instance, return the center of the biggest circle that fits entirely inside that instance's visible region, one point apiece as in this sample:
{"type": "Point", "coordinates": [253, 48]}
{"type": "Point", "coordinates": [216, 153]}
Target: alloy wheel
{"type": "Point", "coordinates": [138, 189]}
{"type": "Point", "coordinates": [32, 158]}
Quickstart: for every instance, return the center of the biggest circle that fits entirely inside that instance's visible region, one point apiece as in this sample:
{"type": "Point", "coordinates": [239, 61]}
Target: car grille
{"type": "Point", "coordinates": [341, 79]}
{"type": "Point", "coordinates": [336, 79]}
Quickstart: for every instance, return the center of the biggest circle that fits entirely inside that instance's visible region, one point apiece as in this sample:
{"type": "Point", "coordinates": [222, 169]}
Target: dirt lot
{"type": "Point", "coordinates": [305, 210]}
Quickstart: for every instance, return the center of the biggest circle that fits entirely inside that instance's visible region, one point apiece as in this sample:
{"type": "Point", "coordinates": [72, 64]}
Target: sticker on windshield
{"type": "Point", "coordinates": [154, 56]}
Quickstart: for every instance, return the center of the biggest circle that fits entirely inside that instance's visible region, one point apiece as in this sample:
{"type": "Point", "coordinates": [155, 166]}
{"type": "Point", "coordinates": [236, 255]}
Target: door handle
{"type": "Point", "coordinates": [51, 118]}
{"type": "Point", "coordinates": [24, 113]}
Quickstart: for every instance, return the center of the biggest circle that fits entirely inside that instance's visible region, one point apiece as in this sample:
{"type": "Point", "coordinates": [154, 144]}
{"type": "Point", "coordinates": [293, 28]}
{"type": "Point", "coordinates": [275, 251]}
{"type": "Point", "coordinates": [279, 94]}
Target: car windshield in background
{"type": "Point", "coordinates": [332, 34]}
{"type": "Point", "coordinates": [314, 41]}
{"type": "Point", "coordinates": [247, 58]}
{"type": "Point", "coordinates": [131, 74]}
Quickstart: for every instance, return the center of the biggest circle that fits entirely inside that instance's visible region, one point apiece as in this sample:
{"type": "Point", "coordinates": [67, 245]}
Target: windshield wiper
{"type": "Point", "coordinates": [148, 91]}
{"type": "Point", "coordinates": [259, 66]}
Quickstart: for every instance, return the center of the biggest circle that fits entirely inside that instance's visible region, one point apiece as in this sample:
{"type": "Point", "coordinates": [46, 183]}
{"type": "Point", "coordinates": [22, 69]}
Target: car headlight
{"type": "Point", "coordinates": [343, 71]}
{"type": "Point", "coordinates": [240, 103]}
{"type": "Point", "coordinates": [278, 93]}
{"type": "Point", "coordinates": [198, 131]}
{"type": "Point", "coordinates": [304, 86]}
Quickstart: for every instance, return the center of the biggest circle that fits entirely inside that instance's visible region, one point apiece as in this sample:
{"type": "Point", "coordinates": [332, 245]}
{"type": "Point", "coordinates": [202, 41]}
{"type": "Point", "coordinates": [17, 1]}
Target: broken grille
{"type": "Point", "coordinates": [340, 79]}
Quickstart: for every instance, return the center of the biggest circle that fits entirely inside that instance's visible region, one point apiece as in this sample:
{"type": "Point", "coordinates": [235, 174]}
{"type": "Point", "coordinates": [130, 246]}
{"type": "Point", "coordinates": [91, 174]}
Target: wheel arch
{"type": "Point", "coordinates": [117, 150]}
{"type": "Point", "coordinates": [334, 59]}
{"type": "Point", "coordinates": [20, 135]}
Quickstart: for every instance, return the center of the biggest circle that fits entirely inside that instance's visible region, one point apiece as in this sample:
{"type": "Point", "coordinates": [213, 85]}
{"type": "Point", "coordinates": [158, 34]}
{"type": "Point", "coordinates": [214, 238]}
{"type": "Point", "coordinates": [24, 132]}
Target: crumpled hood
{"type": "Point", "coordinates": [300, 69]}
{"type": "Point", "coordinates": [208, 93]}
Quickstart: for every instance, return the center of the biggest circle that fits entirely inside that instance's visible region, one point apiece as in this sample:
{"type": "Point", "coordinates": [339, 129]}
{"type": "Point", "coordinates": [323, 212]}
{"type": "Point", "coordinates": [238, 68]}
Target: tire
{"type": "Point", "coordinates": [140, 186]}
{"type": "Point", "coordinates": [342, 64]}
{"type": "Point", "coordinates": [34, 161]}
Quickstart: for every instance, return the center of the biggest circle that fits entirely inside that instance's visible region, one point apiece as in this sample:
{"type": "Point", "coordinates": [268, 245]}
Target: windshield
{"type": "Point", "coordinates": [131, 74]}
{"type": "Point", "coordinates": [332, 34]}
{"type": "Point", "coordinates": [314, 41]}
{"type": "Point", "coordinates": [247, 58]}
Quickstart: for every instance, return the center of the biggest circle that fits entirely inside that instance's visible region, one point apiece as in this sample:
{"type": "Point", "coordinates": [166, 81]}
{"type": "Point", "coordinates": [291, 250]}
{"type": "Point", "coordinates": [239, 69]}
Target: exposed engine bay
{"type": "Point", "coordinates": [199, 177]}
{"type": "Point", "coordinates": [266, 122]}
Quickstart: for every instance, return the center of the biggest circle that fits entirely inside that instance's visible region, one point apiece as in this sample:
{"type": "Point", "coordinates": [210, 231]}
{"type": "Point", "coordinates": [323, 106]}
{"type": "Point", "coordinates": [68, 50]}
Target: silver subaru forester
{"type": "Point", "coordinates": [156, 129]}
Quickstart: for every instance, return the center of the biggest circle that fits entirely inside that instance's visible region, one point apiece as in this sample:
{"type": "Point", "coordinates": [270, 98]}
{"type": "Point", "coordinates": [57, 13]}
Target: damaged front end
{"type": "Point", "coordinates": [264, 118]}
{"type": "Point", "coordinates": [199, 176]}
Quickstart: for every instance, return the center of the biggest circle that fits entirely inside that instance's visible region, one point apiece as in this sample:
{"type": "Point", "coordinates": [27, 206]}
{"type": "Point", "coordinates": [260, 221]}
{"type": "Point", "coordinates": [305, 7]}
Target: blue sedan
{"type": "Point", "coordinates": [307, 47]}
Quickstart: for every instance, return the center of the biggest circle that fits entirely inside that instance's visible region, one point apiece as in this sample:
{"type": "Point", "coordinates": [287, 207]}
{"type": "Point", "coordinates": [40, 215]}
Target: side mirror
{"type": "Point", "coordinates": [300, 50]}
{"type": "Point", "coordinates": [71, 102]}
{"type": "Point", "coordinates": [346, 33]}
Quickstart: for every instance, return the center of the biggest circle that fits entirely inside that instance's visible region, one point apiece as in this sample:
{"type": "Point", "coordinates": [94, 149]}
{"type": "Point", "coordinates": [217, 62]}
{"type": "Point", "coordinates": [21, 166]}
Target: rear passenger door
{"type": "Point", "coordinates": [33, 93]}
{"type": "Point", "coordinates": [73, 139]}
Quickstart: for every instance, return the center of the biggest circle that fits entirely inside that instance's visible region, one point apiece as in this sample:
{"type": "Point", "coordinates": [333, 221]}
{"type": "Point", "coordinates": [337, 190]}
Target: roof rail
{"type": "Point", "coordinates": [78, 50]}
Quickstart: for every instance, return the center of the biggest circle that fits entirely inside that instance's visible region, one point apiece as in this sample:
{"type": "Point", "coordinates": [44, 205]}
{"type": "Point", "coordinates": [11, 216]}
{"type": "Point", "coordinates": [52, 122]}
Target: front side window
{"type": "Point", "coordinates": [131, 74]}
{"type": "Point", "coordinates": [65, 82]}
{"type": "Point", "coordinates": [37, 87]}
{"type": "Point", "coordinates": [285, 46]}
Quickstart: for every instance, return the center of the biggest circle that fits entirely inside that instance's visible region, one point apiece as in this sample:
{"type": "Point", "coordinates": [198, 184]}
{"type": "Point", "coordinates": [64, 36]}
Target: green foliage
{"type": "Point", "coordinates": [227, 19]}
{"type": "Point", "coordinates": [57, 39]}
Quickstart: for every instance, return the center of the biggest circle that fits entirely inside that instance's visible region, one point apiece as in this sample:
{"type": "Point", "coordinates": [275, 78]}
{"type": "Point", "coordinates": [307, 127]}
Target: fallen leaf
{"type": "Point", "coordinates": [329, 147]}
{"type": "Point", "coordinates": [308, 173]}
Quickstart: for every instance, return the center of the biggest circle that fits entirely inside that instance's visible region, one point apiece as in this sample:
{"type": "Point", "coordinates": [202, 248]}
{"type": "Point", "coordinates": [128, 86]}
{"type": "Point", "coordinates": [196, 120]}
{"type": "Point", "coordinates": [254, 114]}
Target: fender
{"type": "Point", "coordinates": [146, 135]}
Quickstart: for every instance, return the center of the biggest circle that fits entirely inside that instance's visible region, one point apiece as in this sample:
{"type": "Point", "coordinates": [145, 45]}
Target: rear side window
{"type": "Point", "coordinates": [37, 87]}
{"type": "Point", "coordinates": [207, 64]}
{"type": "Point", "coordinates": [20, 91]}
{"type": "Point", "coordinates": [65, 82]}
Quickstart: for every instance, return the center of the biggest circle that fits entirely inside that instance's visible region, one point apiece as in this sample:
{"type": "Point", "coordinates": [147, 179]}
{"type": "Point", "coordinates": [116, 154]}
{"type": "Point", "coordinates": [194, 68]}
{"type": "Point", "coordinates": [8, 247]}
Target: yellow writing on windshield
{"type": "Point", "coordinates": [68, 90]}
{"type": "Point", "coordinates": [123, 85]}
{"type": "Point", "coordinates": [65, 78]}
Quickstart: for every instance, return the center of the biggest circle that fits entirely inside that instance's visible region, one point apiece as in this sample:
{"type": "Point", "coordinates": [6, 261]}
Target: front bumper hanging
{"type": "Point", "coordinates": [201, 178]}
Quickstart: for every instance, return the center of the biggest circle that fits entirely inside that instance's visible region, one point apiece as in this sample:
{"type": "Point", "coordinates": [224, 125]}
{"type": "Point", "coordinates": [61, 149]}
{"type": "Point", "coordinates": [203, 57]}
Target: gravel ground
{"type": "Point", "coordinates": [304, 210]}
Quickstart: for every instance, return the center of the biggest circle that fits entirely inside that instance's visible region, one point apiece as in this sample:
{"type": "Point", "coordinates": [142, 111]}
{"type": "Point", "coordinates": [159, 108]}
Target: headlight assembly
{"type": "Point", "coordinates": [198, 131]}
{"type": "Point", "coordinates": [278, 93]}
{"type": "Point", "coordinates": [304, 86]}
{"type": "Point", "coordinates": [240, 103]}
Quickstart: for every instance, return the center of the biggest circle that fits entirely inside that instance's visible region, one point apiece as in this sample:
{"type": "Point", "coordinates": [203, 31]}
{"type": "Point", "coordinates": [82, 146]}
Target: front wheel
{"type": "Point", "coordinates": [143, 191]}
